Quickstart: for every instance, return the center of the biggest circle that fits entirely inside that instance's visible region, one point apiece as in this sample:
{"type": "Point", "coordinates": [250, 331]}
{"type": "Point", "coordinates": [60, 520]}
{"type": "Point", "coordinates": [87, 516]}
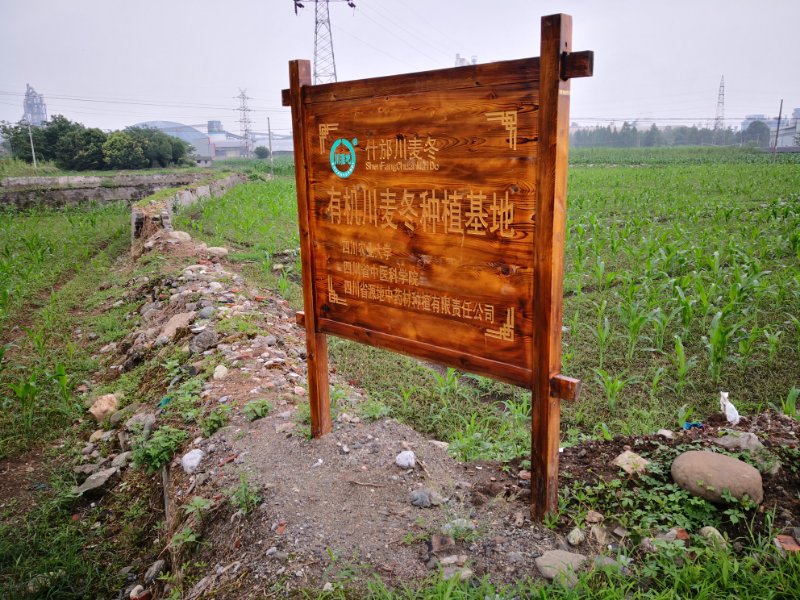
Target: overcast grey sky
{"type": "Point", "coordinates": [110, 64]}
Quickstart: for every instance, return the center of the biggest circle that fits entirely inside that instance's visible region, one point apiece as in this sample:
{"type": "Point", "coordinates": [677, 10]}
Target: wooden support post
{"type": "Point", "coordinates": [548, 256]}
{"type": "Point", "coordinates": [316, 343]}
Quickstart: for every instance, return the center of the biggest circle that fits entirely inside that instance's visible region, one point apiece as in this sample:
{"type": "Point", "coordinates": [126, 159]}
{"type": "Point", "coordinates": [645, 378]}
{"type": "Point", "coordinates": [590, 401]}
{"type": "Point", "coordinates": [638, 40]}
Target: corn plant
{"type": "Point", "coordinates": [612, 387]}
{"type": "Point", "coordinates": [773, 343]}
{"type": "Point", "coordinates": [683, 365]}
{"type": "Point", "coordinates": [27, 394]}
{"type": "Point", "coordinates": [717, 340]}
{"type": "Point", "coordinates": [635, 317]}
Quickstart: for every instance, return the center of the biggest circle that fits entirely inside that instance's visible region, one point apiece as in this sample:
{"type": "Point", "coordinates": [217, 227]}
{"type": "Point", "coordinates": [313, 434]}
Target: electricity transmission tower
{"type": "Point", "coordinates": [324, 60]}
{"type": "Point", "coordinates": [719, 120]}
{"type": "Point", "coordinates": [244, 119]}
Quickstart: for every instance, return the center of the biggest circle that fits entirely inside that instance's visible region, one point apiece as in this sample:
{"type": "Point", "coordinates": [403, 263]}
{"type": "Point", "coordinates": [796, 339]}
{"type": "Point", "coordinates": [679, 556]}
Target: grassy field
{"type": "Point", "coordinates": [38, 248]}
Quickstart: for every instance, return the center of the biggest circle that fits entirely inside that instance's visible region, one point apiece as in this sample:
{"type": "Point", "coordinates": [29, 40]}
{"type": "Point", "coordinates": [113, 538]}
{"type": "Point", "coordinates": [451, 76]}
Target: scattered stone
{"type": "Point", "coordinates": [270, 340]}
{"type": "Point", "coordinates": [84, 471]}
{"type": "Point", "coordinates": [421, 498]}
{"type": "Point", "coordinates": [743, 440]}
{"type": "Point", "coordinates": [647, 545]}
{"type": "Point", "coordinates": [154, 571]}
{"type": "Point", "coordinates": [594, 517]}
{"type": "Point", "coordinates": [440, 543]}
{"type": "Point", "coordinates": [328, 587]}
{"type": "Point", "coordinates": [299, 391]}
{"type": "Point", "coordinates": [143, 594]}
{"type": "Point", "coordinates": [576, 537]}
{"type": "Point", "coordinates": [104, 407]}
{"type": "Point", "coordinates": [122, 460]}
{"type": "Point", "coordinates": [217, 251]}
{"type": "Point", "coordinates": [176, 322]}
{"type": "Point", "coordinates": [602, 535]}
{"type": "Point", "coordinates": [455, 559]}
{"type": "Point", "coordinates": [560, 565]}
{"type": "Point", "coordinates": [220, 372]}
{"type": "Point", "coordinates": [621, 532]}
{"type": "Point", "coordinates": [191, 460]}
{"type": "Point", "coordinates": [460, 573]}
{"type": "Point", "coordinates": [631, 463]}
{"type": "Point", "coordinates": [666, 433]}
{"type": "Point", "coordinates": [124, 413]}
{"type": "Point", "coordinates": [713, 536]}
{"type": "Point", "coordinates": [786, 544]}
{"type": "Point", "coordinates": [143, 422]}
{"type": "Point", "coordinates": [707, 474]}
{"type": "Point", "coordinates": [284, 427]}
{"type": "Point", "coordinates": [676, 534]}
{"type": "Point", "coordinates": [206, 312]}
{"type": "Point", "coordinates": [108, 348]}
{"type": "Point", "coordinates": [203, 341]}
{"type": "Point", "coordinates": [606, 562]}
{"type": "Point", "coordinates": [174, 237]}
{"type": "Point", "coordinates": [96, 483]}
{"type": "Point", "coordinates": [441, 445]}
{"type": "Point", "coordinates": [524, 475]}
{"type": "Point", "coordinates": [406, 459]}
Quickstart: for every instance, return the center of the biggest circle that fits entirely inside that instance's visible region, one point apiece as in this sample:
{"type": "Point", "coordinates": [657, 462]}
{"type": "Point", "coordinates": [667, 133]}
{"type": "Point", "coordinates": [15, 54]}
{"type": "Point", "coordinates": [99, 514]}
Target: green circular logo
{"type": "Point", "coordinates": [343, 163]}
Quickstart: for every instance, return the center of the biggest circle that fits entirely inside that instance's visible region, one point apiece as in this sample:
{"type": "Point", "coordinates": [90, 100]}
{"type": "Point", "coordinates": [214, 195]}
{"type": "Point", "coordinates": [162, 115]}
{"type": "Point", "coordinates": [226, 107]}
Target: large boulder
{"type": "Point", "coordinates": [708, 474]}
{"type": "Point", "coordinates": [104, 407]}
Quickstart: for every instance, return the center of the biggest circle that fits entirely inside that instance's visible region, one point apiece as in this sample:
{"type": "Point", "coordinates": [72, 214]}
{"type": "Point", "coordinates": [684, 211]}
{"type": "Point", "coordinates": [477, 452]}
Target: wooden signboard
{"type": "Point", "coordinates": [431, 210]}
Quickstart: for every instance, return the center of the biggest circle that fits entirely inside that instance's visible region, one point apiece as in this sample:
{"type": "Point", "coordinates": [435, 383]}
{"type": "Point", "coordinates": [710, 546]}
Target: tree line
{"type": "Point", "coordinates": [629, 136]}
{"type": "Point", "coordinates": [75, 147]}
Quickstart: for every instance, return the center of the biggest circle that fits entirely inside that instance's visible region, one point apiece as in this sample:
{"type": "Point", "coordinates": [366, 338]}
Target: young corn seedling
{"type": "Point", "coordinates": [717, 340]}
{"type": "Point", "coordinates": [773, 343]}
{"type": "Point", "coordinates": [683, 365]}
{"type": "Point", "coordinates": [746, 345]}
{"type": "Point", "coordinates": [602, 332]}
{"type": "Point", "coordinates": [612, 387]}
{"type": "Point", "coordinates": [635, 317]}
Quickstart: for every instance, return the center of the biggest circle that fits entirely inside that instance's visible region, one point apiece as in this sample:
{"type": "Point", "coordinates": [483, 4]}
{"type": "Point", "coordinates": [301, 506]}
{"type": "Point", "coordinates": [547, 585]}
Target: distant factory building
{"type": "Point", "coordinates": [35, 110]}
{"type": "Point", "coordinates": [216, 143]}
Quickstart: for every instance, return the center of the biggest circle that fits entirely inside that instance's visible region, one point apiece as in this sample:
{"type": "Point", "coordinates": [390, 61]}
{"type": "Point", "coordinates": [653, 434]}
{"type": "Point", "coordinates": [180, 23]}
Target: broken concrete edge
{"type": "Point", "coordinates": [155, 212]}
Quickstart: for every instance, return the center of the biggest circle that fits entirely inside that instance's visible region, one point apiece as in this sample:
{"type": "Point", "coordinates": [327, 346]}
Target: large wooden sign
{"type": "Point", "coordinates": [431, 209]}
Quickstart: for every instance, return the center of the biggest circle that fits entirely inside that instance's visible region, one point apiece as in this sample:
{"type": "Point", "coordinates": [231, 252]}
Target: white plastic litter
{"type": "Point", "coordinates": [727, 407]}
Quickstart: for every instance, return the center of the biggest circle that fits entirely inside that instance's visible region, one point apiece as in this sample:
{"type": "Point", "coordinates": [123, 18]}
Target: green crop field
{"type": "Point", "coordinates": [37, 248]}
{"type": "Point", "coordinates": [682, 278]}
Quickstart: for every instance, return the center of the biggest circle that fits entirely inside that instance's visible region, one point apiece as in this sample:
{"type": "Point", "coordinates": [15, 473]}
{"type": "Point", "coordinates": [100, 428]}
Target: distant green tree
{"type": "Point", "coordinates": [757, 134]}
{"type": "Point", "coordinates": [652, 137]}
{"type": "Point", "coordinates": [262, 152]}
{"type": "Point", "coordinates": [81, 150]}
{"type": "Point", "coordinates": [122, 151]}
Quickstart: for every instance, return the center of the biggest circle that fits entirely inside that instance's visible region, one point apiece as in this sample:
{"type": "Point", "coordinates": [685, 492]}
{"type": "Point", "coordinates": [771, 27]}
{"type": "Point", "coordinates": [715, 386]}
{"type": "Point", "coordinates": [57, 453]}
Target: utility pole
{"type": "Point", "coordinates": [719, 121]}
{"type": "Point", "coordinates": [777, 131]}
{"type": "Point", "coordinates": [324, 60]}
{"type": "Point", "coordinates": [33, 151]}
{"type": "Point", "coordinates": [244, 120]}
{"type": "Point", "coordinates": [271, 160]}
